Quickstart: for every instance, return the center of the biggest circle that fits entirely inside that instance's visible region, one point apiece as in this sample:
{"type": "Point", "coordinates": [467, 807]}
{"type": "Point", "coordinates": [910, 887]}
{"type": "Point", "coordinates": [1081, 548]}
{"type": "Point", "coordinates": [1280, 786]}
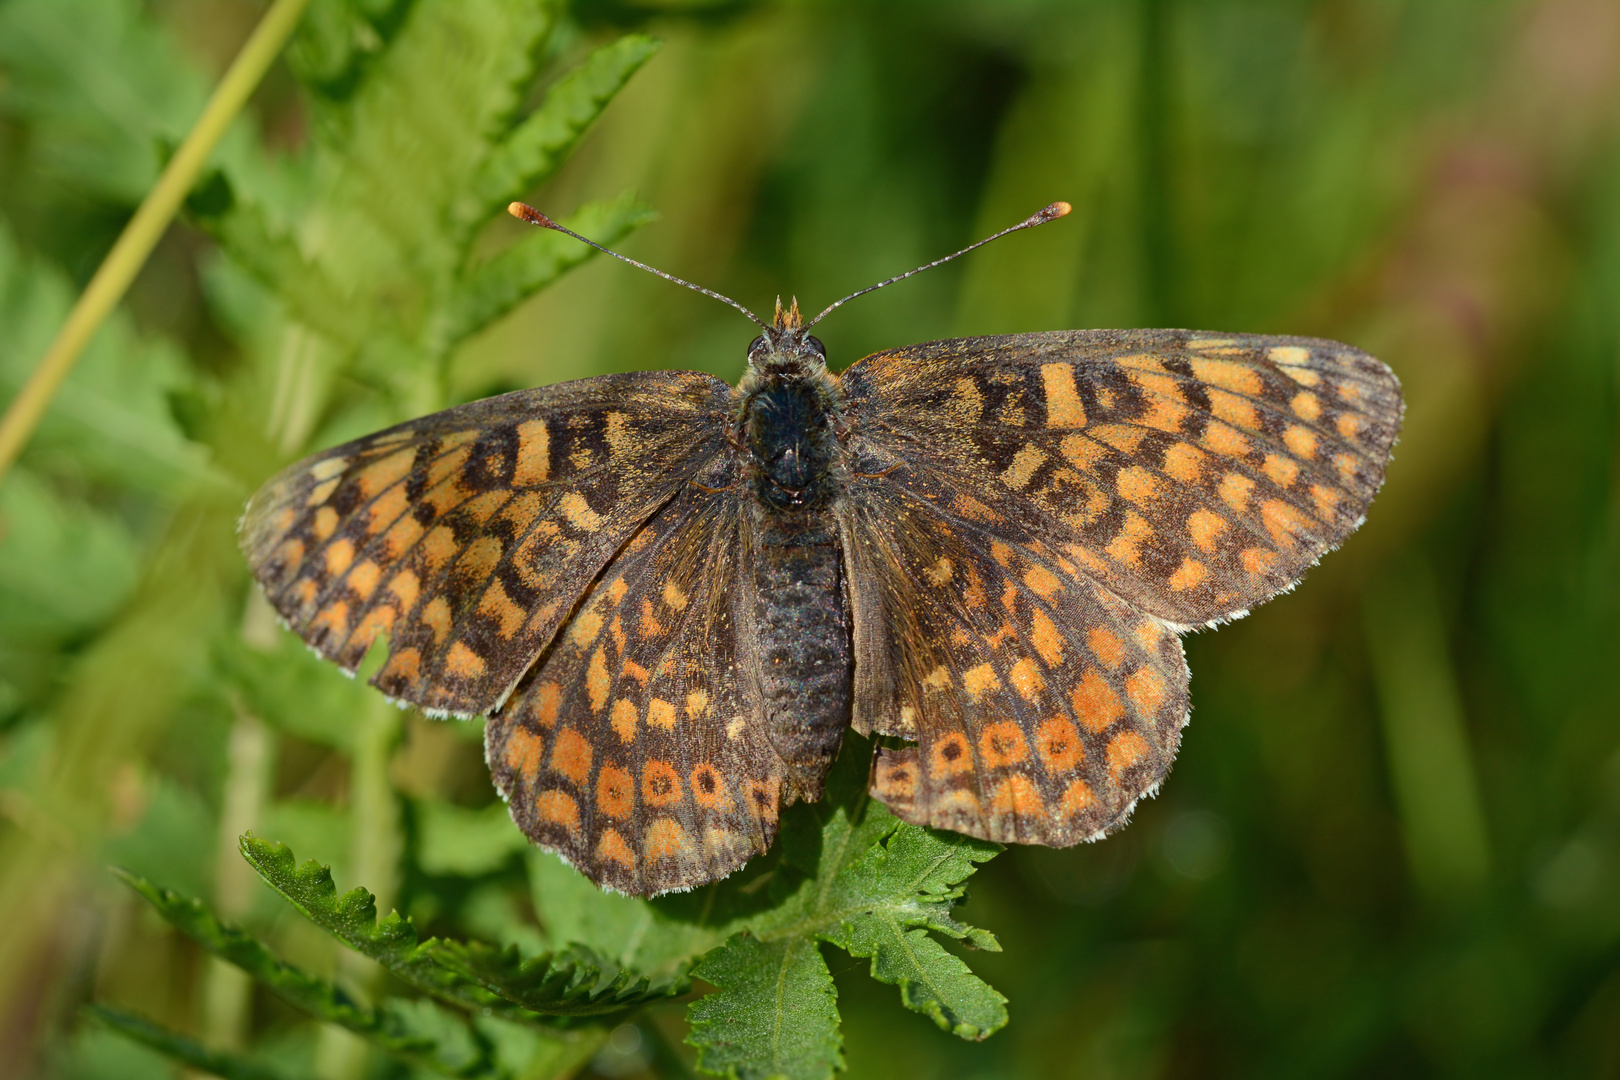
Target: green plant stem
{"type": "Point", "coordinates": [117, 271]}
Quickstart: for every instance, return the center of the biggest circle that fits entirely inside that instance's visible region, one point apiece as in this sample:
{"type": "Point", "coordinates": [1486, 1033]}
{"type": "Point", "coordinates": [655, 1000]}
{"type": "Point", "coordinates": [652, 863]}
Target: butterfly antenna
{"type": "Point", "coordinates": [534, 217]}
{"type": "Point", "coordinates": [1040, 217]}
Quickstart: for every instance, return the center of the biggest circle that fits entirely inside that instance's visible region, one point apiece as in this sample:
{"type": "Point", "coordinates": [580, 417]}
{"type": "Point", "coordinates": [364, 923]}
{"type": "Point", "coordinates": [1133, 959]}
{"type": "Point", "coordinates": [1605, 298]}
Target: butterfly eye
{"type": "Point", "coordinates": [755, 345]}
{"type": "Point", "coordinates": [816, 346]}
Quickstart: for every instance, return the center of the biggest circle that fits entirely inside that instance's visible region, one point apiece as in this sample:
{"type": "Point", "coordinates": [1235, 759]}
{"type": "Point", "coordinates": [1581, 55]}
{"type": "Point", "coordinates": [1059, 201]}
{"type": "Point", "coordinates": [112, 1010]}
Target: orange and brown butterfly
{"type": "Point", "coordinates": [671, 596]}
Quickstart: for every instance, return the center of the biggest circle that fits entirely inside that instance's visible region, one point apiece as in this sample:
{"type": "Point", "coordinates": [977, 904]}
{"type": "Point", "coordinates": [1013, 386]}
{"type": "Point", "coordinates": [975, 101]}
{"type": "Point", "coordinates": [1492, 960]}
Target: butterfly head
{"type": "Point", "coordinates": [787, 347]}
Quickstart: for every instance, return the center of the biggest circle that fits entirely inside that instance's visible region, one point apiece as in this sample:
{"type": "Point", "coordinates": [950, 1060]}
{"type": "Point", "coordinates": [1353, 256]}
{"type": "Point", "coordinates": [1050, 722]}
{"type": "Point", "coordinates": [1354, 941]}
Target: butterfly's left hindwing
{"type": "Point", "coordinates": [635, 748]}
{"type": "Point", "coordinates": [467, 536]}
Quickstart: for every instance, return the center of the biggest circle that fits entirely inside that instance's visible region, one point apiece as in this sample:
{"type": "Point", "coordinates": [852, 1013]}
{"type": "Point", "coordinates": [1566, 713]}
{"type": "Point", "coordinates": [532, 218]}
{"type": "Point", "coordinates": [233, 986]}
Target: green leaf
{"type": "Point", "coordinates": [546, 138]}
{"type": "Point", "coordinates": [572, 982]}
{"type": "Point", "coordinates": [530, 264]}
{"type": "Point", "coordinates": [419, 1032]}
{"type": "Point", "coordinates": [466, 843]}
{"type": "Point", "coordinates": [856, 877]}
{"type": "Point", "coordinates": [774, 1014]}
{"type": "Point", "coordinates": [216, 1062]}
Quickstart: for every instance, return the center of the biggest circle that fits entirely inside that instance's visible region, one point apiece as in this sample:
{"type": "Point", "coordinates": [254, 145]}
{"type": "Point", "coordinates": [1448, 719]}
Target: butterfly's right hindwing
{"type": "Point", "coordinates": [467, 536]}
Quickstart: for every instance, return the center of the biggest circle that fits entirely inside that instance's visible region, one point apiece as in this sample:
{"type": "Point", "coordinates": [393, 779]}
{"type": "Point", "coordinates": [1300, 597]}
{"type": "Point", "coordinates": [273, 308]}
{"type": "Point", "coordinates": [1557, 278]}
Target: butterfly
{"type": "Point", "coordinates": [671, 596]}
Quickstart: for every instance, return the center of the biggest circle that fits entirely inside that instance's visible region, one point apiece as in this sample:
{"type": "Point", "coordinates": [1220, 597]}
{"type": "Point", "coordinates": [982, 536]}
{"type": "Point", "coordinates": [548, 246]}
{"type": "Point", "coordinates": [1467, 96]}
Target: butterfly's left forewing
{"type": "Point", "coordinates": [466, 537]}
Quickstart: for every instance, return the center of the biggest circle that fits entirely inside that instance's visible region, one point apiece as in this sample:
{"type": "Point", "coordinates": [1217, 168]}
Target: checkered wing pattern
{"type": "Point", "coordinates": [1032, 519]}
{"type": "Point", "coordinates": [633, 749]}
{"type": "Point", "coordinates": [467, 536]}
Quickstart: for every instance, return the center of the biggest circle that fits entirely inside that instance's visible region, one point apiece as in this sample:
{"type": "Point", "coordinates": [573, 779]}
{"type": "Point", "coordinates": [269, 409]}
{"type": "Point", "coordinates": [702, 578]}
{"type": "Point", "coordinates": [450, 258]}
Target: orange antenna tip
{"type": "Point", "coordinates": [525, 212]}
{"type": "Point", "coordinates": [1056, 210]}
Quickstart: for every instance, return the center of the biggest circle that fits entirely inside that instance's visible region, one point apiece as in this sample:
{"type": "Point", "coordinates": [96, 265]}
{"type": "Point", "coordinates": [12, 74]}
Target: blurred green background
{"type": "Point", "coordinates": [1391, 843]}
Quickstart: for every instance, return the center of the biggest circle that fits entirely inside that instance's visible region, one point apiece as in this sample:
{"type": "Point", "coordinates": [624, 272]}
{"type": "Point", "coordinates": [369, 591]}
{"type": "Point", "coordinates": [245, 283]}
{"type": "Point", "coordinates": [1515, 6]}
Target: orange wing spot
{"type": "Point", "coordinates": [1126, 547]}
{"type": "Point", "coordinates": [1306, 405]}
{"type": "Point", "coordinates": [949, 756]}
{"type": "Point", "coordinates": [1225, 441]}
{"type": "Point", "coordinates": [547, 701]}
{"type": "Point", "coordinates": [1043, 582]}
{"type": "Point", "coordinates": [571, 756]}
{"type": "Point", "coordinates": [1148, 635]}
{"type": "Point", "coordinates": [579, 512]}
{"type": "Point", "coordinates": [615, 792]}
{"type": "Point", "coordinates": [633, 670]}
{"type": "Point", "coordinates": [452, 459]}
{"type": "Point", "coordinates": [438, 546]}
{"type": "Point", "coordinates": [894, 781]}
{"type": "Point", "coordinates": [1057, 744]}
{"type": "Point", "coordinates": [305, 592]}
{"type": "Point", "coordinates": [1256, 561]}
{"type": "Point", "coordinates": [1290, 355]}
{"type": "Point", "coordinates": [333, 617]}
{"type": "Point", "coordinates": [1301, 441]}
{"type": "Point", "coordinates": [1189, 575]}
{"type": "Point", "coordinates": [324, 523]}
{"type": "Point", "coordinates": [1137, 485]}
{"type": "Point", "coordinates": [1002, 744]}
{"type": "Point", "coordinates": [1205, 527]}
{"type": "Point", "coordinates": [1002, 636]}
{"type": "Point", "coordinates": [1283, 522]}
{"type": "Point", "coordinates": [379, 620]}
{"type": "Point", "coordinates": [1183, 462]}
{"type": "Point", "coordinates": [1106, 646]}
{"type": "Point", "coordinates": [1001, 553]}
{"type": "Point", "coordinates": [938, 680]}
{"type": "Point", "coordinates": [623, 718]}
{"type": "Point", "coordinates": [557, 808]}
{"type": "Point", "coordinates": [597, 682]}
{"type": "Point", "coordinates": [1282, 471]}
{"type": "Point", "coordinates": [612, 848]}
{"type": "Point", "coordinates": [674, 597]}
{"type": "Point", "coordinates": [321, 492]}
{"type": "Point", "coordinates": [521, 510]}
{"type": "Point", "coordinates": [661, 713]}
{"type": "Point", "coordinates": [1348, 467]}
{"type": "Point", "coordinates": [1018, 797]}
{"type": "Point", "coordinates": [445, 497]}
{"type": "Point", "coordinates": [1349, 425]}
{"type": "Point", "coordinates": [286, 517]}
{"type": "Point", "coordinates": [1096, 705]}
{"type": "Point", "coordinates": [1125, 750]}
{"type": "Point", "coordinates": [1234, 491]}
{"type": "Point", "coordinates": [960, 803]}
{"type": "Point", "coordinates": [387, 472]}
{"type": "Point", "coordinates": [533, 465]}
{"type": "Point", "coordinates": [585, 627]}
{"type": "Point", "coordinates": [1064, 409]}
{"type": "Point", "coordinates": [1327, 500]}
{"type": "Point", "coordinates": [1044, 635]}
{"type": "Point", "coordinates": [617, 589]}
{"type": "Point", "coordinates": [979, 681]}
{"type": "Point", "coordinates": [616, 632]}
{"type": "Point", "coordinates": [1146, 690]}
{"type": "Point", "coordinates": [1122, 437]}
{"type": "Point", "coordinates": [436, 617]}
{"type": "Point", "coordinates": [290, 553]}
{"type": "Point", "coordinates": [463, 663]}
{"type": "Point", "coordinates": [648, 626]}
{"type": "Point", "coordinates": [709, 788]}
{"type": "Point", "coordinates": [363, 579]}
{"type": "Point", "coordinates": [1236, 411]}
{"type": "Point", "coordinates": [328, 469]}
{"type": "Point", "coordinates": [480, 558]}
{"type": "Point", "coordinates": [660, 784]}
{"type": "Point", "coordinates": [480, 508]}
{"type": "Point", "coordinates": [339, 554]}
{"type": "Point", "coordinates": [974, 510]}
{"type": "Point", "coordinates": [973, 592]}
{"type": "Point", "coordinates": [404, 666]}
{"type": "Point", "coordinates": [1009, 598]}
{"type": "Point", "coordinates": [1080, 451]}
{"type": "Point", "coordinates": [386, 508]}
{"type": "Point", "coordinates": [1227, 375]}
{"type": "Point", "coordinates": [1025, 464]}
{"type": "Point", "coordinates": [764, 797]}
{"type": "Point", "coordinates": [940, 573]}
{"type": "Point", "coordinates": [967, 404]}
{"type": "Point", "coordinates": [495, 604]}
{"type": "Point", "coordinates": [523, 752]}
{"type": "Point", "coordinates": [402, 536]}
{"type": "Point", "coordinates": [666, 839]}
{"type": "Point", "coordinates": [697, 704]}
{"type": "Point", "coordinates": [1025, 677]}
{"type": "Point", "coordinates": [1077, 799]}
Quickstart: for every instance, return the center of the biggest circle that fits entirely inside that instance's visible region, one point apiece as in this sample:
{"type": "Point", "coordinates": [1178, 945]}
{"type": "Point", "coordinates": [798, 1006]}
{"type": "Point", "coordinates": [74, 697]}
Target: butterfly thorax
{"type": "Point", "coordinates": [787, 419]}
